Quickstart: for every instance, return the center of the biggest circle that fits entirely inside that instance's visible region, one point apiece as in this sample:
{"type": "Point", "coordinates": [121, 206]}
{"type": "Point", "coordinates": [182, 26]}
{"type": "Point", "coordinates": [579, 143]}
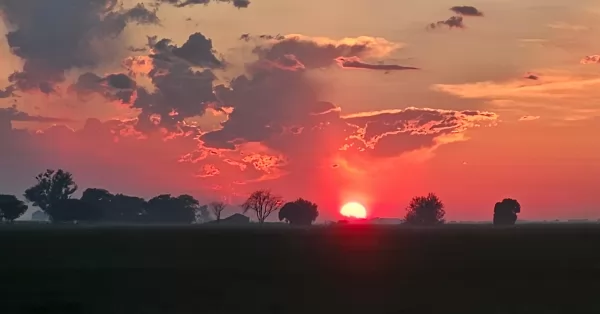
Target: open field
{"type": "Point", "coordinates": [336, 269]}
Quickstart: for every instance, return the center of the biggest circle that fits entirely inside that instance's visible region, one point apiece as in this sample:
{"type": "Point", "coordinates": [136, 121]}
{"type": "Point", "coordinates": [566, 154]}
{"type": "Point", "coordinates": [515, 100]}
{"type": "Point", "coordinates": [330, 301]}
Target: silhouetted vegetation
{"type": "Point", "coordinates": [425, 211]}
{"type": "Point", "coordinates": [299, 212]}
{"type": "Point", "coordinates": [116, 208]}
{"type": "Point", "coordinates": [54, 190]}
{"type": "Point", "coordinates": [51, 187]}
{"type": "Point", "coordinates": [505, 212]}
{"type": "Point", "coordinates": [217, 208]}
{"type": "Point", "coordinates": [168, 209]}
{"type": "Point", "coordinates": [74, 210]}
{"type": "Point", "coordinates": [11, 208]}
{"type": "Point", "coordinates": [263, 203]}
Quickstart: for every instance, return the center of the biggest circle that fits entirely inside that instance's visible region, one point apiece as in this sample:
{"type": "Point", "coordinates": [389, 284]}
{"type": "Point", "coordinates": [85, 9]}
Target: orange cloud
{"type": "Point", "coordinates": [592, 59]}
{"type": "Point", "coordinates": [529, 118]}
{"type": "Point", "coordinates": [556, 95]}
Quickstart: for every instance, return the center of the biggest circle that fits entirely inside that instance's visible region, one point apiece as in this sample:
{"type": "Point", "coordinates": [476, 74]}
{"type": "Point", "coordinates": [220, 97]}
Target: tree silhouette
{"type": "Point", "coordinates": [505, 212]}
{"type": "Point", "coordinates": [125, 208]}
{"type": "Point", "coordinates": [425, 210]}
{"type": "Point", "coordinates": [116, 208]}
{"type": "Point", "coordinates": [217, 208]}
{"type": "Point", "coordinates": [263, 203]}
{"type": "Point", "coordinates": [52, 186]}
{"type": "Point", "coordinates": [167, 209]}
{"type": "Point", "coordinates": [11, 208]}
{"type": "Point", "coordinates": [299, 212]}
{"type": "Point", "coordinates": [75, 210]}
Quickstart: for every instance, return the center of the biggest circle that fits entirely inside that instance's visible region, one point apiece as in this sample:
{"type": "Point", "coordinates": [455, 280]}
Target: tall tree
{"type": "Point", "coordinates": [217, 208]}
{"type": "Point", "coordinates": [299, 212]}
{"type": "Point", "coordinates": [425, 210]}
{"type": "Point", "coordinates": [505, 212]}
{"type": "Point", "coordinates": [263, 203]}
{"type": "Point", "coordinates": [11, 208]}
{"type": "Point", "coordinates": [51, 187]}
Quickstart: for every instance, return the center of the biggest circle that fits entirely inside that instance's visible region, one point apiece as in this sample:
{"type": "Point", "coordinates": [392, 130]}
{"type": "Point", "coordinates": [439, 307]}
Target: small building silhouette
{"type": "Point", "coordinates": [236, 219]}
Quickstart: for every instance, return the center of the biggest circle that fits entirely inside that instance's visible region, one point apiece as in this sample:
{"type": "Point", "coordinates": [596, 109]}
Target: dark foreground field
{"type": "Point", "coordinates": [344, 269]}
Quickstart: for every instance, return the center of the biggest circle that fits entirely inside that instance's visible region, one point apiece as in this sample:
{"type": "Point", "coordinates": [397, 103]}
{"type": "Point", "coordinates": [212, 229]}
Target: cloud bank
{"type": "Point", "coordinates": [273, 121]}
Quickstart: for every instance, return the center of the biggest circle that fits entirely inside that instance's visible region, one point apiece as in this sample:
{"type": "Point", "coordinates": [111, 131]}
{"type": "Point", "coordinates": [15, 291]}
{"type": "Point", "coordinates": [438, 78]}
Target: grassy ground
{"type": "Point", "coordinates": [341, 269]}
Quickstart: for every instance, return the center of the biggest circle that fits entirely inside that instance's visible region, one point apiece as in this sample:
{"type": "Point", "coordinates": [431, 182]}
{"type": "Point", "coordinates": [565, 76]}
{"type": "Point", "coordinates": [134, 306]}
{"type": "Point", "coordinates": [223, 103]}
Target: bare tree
{"type": "Point", "coordinates": [263, 203]}
{"type": "Point", "coordinates": [216, 208]}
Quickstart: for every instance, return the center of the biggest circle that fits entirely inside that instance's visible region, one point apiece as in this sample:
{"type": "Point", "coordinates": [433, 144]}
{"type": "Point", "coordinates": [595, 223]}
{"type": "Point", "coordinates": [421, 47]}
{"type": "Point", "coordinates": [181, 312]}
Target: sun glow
{"type": "Point", "coordinates": [353, 210]}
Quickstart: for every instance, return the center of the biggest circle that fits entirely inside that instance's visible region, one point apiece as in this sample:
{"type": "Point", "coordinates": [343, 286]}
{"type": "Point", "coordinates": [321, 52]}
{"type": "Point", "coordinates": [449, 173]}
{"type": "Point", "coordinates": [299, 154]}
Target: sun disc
{"type": "Point", "coordinates": [353, 210]}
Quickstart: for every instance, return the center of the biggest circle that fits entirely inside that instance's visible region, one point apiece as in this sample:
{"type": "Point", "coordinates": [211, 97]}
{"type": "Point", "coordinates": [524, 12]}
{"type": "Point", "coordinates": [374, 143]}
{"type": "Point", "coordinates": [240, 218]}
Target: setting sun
{"type": "Point", "coordinates": [353, 210]}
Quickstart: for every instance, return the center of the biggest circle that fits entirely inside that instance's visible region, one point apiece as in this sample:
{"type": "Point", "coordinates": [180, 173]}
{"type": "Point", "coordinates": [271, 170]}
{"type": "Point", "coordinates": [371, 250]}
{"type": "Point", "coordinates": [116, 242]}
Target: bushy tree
{"type": "Point", "coordinates": [11, 208]}
{"type": "Point", "coordinates": [167, 209]}
{"type": "Point", "coordinates": [505, 212]}
{"type": "Point", "coordinates": [116, 208]}
{"type": "Point", "coordinates": [263, 203]}
{"type": "Point", "coordinates": [425, 210]}
{"type": "Point", "coordinates": [299, 212]}
{"type": "Point", "coordinates": [51, 187]}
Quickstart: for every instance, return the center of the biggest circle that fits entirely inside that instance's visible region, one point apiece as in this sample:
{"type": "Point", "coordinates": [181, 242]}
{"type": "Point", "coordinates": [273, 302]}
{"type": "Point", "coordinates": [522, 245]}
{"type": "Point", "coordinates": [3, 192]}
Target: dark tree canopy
{"type": "Point", "coordinates": [263, 203]}
{"type": "Point", "coordinates": [425, 210]}
{"type": "Point", "coordinates": [299, 212]}
{"type": "Point", "coordinates": [505, 212]}
{"type": "Point", "coordinates": [167, 209]}
{"type": "Point", "coordinates": [116, 208]}
{"type": "Point", "coordinates": [11, 208]}
{"type": "Point", "coordinates": [51, 187]}
{"type": "Point", "coordinates": [75, 210]}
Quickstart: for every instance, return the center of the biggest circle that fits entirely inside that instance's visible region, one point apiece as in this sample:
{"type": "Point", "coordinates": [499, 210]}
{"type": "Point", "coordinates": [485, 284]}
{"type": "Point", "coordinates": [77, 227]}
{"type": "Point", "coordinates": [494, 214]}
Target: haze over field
{"type": "Point", "coordinates": [334, 101]}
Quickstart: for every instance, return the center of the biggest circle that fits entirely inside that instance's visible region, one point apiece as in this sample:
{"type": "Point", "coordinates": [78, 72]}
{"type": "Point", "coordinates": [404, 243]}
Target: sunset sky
{"type": "Point", "coordinates": [333, 101]}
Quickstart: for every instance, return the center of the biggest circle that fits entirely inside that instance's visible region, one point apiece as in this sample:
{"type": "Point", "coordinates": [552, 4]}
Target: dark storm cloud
{"type": "Point", "coordinates": [7, 92]}
{"type": "Point", "coordinates": [112, 87]}
{"type": "Point", "coordinates": [359, 64]}
{"type": "Point", "coordinates": [263, 103]}
{"type": "Point", "coordinates": [277, 97]}
{"type": "Point", "coordinates": [55, 36]}
{"type": "Point", "coordinates": [183, 3]}
{"type": "Point", "coordinates": [281, 107]}
{"type": "Point", "coordinates": [452, 22]}
{"type": "Point", "coordinates": [466, 10]}
{"type": "Point", "coordinates": [197, 50]}
{"type": "Point", "coordinates": [180, 91]}
{"type": "Point", "coordinates": [120, 81]}
{"type": "Point", "coordinates": [314, 53]}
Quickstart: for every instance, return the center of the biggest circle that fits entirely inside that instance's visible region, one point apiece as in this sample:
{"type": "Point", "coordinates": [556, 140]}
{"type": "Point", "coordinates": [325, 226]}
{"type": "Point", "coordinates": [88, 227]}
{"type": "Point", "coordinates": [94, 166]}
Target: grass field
{"type": "Point", "coordinates": [335, 269]}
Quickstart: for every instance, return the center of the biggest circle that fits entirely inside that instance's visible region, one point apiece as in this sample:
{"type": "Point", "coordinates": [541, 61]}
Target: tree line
{"type": "Point", "coordinates": [53, 194]}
